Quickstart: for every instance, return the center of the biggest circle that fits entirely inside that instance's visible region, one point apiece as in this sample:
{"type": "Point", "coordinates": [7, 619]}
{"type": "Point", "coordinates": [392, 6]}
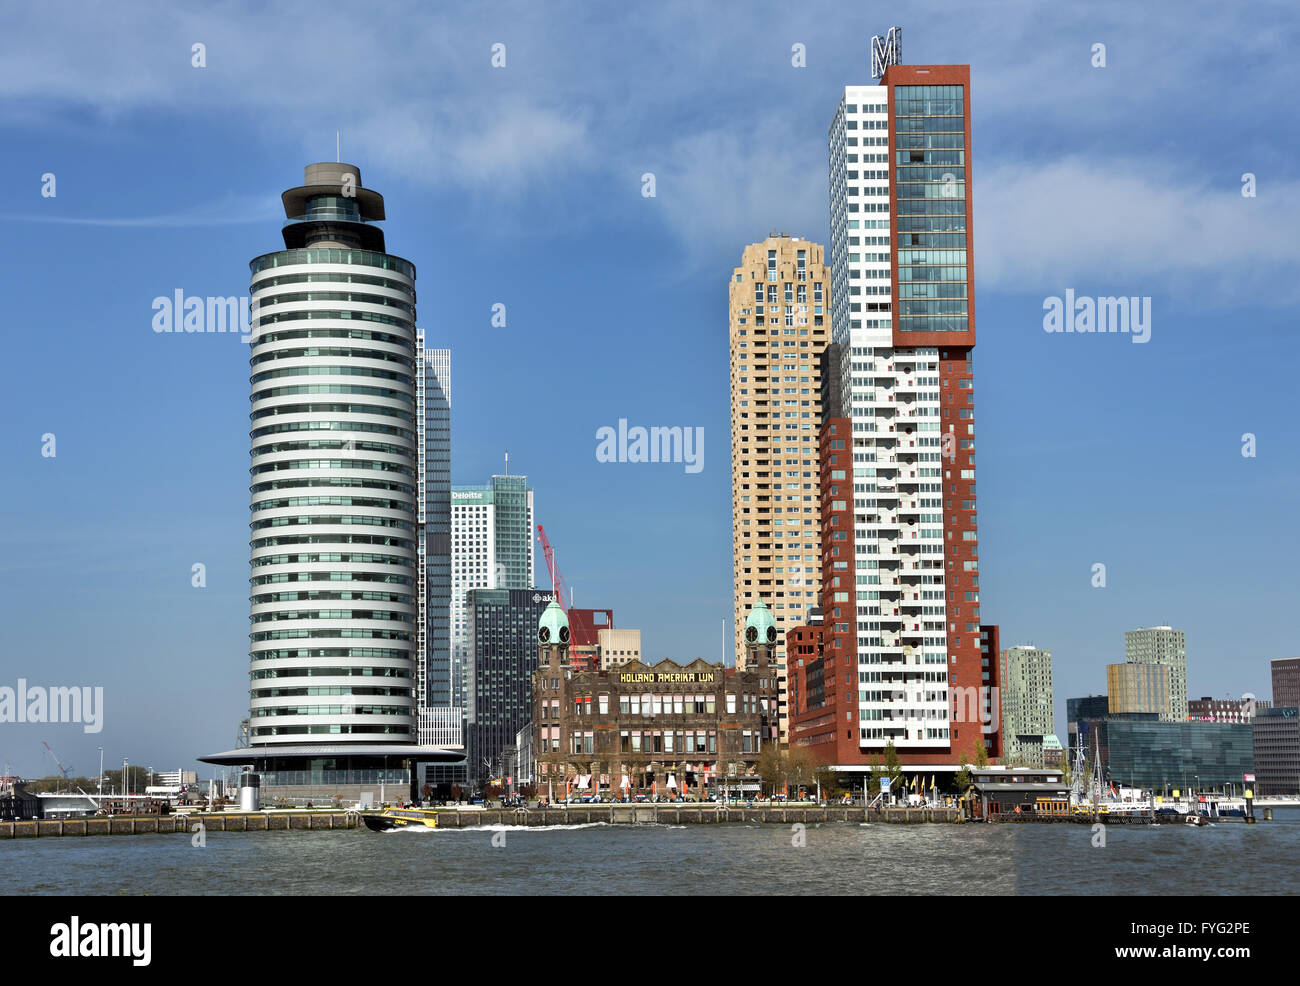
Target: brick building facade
{"type": "Point", "coordinates": [669, 729]}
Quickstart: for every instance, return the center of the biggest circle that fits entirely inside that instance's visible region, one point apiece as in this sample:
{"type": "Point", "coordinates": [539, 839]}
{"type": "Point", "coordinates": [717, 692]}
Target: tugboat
{"type": "Point", "coordinates": [400, 818]}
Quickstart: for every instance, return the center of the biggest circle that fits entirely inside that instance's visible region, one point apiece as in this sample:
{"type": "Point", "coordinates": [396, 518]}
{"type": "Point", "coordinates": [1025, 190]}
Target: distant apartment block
{"type": "Point", "coordinates": [1286, 681]}
{"type": "Point", "coordinates": [1162, 645]}
{"type": "Point", "coordinates": [1027, 703]}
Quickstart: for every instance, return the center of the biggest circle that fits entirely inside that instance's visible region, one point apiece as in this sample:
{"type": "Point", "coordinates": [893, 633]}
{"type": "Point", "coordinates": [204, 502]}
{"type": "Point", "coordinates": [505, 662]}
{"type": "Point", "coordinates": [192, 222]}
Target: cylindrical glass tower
{"type": "Point", "coordinates": [334, 475]}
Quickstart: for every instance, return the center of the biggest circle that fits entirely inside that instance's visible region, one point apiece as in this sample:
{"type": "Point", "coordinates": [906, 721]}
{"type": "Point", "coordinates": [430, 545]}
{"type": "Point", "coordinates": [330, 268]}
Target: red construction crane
{"type": "Point", "coordinates": [580, 621]}
{"type": "Point", "coordinates": [557, 580]}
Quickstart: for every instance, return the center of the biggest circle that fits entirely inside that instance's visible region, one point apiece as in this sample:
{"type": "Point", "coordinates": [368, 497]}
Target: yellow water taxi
{"type": "Point", "coordinates": [399, 818]}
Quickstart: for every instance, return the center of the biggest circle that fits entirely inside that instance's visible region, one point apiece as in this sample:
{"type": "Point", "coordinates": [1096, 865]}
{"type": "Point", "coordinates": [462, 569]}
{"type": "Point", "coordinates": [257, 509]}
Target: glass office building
{"type": "Point", "coordinates": [1162, 756]}
{"type": "Point", "coordinates": [433, 413]}
{"type": "Point", "coordinates": [502, 656]}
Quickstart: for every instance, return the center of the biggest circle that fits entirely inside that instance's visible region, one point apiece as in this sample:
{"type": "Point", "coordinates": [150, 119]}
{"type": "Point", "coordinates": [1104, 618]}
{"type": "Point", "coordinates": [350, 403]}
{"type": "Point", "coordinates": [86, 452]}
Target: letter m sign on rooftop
{"type": "Point", "coordinates": [886, 51]}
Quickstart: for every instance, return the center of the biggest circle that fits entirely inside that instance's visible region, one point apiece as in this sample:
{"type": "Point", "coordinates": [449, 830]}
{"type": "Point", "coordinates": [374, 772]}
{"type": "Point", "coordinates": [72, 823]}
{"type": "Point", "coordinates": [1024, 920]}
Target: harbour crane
{"type": "Point", "coordinates": [65, 771]}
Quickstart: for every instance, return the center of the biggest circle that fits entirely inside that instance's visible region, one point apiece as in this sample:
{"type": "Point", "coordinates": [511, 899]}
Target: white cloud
{"type": "Point", "coordinates": [1141, 227]}
{"type": "Point", "coordinates": [736, 136]}
{"type": "Point", "coordinates": [720, 190]}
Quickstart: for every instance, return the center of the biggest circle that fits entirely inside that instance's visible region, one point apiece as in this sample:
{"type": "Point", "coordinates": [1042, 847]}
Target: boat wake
{"type": "Point", "coordinates": [508, 828]}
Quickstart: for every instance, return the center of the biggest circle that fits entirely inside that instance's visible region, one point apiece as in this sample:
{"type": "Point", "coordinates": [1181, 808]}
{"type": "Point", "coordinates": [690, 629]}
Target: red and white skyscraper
{"type": "Point", "coordinates": [898, 655]}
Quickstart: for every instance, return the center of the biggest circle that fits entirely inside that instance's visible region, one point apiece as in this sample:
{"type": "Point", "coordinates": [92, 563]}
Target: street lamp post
{"type": "Point", "coordinates": [99, 783]}
{"type": "Point", "coordinates": [126, 788]}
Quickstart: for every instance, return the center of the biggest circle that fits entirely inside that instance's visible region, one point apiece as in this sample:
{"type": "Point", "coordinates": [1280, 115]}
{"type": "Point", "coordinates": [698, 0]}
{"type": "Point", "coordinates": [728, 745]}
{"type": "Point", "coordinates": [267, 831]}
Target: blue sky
{"type": "Point", "coordinates": [522, 185]}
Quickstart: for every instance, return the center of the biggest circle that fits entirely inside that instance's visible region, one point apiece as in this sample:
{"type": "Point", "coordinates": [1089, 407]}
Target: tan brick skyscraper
{"type": "Point", "coordinates": [779, 322]}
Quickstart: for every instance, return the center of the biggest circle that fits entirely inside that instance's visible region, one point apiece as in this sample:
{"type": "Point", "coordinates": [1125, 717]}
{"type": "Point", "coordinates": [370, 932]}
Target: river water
{"type": "Point", "coordinates": [1229, 858]}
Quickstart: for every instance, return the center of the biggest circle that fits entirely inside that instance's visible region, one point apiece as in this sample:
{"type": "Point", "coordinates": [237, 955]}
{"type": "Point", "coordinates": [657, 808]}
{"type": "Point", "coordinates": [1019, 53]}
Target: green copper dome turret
{"type": "Point", "coordinates": [760, 627]}
{"type": "Point", "coordinates": [553, 628]}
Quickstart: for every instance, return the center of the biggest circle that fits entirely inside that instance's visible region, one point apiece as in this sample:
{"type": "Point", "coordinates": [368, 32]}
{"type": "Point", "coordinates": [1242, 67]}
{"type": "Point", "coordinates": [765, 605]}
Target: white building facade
{"type": "Point", "coordinates": [900, 288]}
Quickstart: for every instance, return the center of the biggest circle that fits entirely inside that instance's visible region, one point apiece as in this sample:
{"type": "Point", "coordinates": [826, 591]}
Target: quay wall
{"type": "Point", "coordinates": [640, 814]}
{"type": "Point", "coordinates": [179, 823]}
{"type": "Point", "coordinates": [669, 814]}
{"type": "Point", "coordinates": [468, 818]}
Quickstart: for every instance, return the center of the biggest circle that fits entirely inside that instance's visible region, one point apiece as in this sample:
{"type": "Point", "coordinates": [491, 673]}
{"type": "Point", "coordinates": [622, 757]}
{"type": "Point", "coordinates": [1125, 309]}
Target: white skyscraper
{"type": "Point", "coordinates": [334, 485]}
{"type": "Point", "coordinates": [337, 490]}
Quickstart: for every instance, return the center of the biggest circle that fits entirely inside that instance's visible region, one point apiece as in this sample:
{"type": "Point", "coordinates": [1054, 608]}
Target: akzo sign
{"type": "Point", "coordinates": [886, 51]}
